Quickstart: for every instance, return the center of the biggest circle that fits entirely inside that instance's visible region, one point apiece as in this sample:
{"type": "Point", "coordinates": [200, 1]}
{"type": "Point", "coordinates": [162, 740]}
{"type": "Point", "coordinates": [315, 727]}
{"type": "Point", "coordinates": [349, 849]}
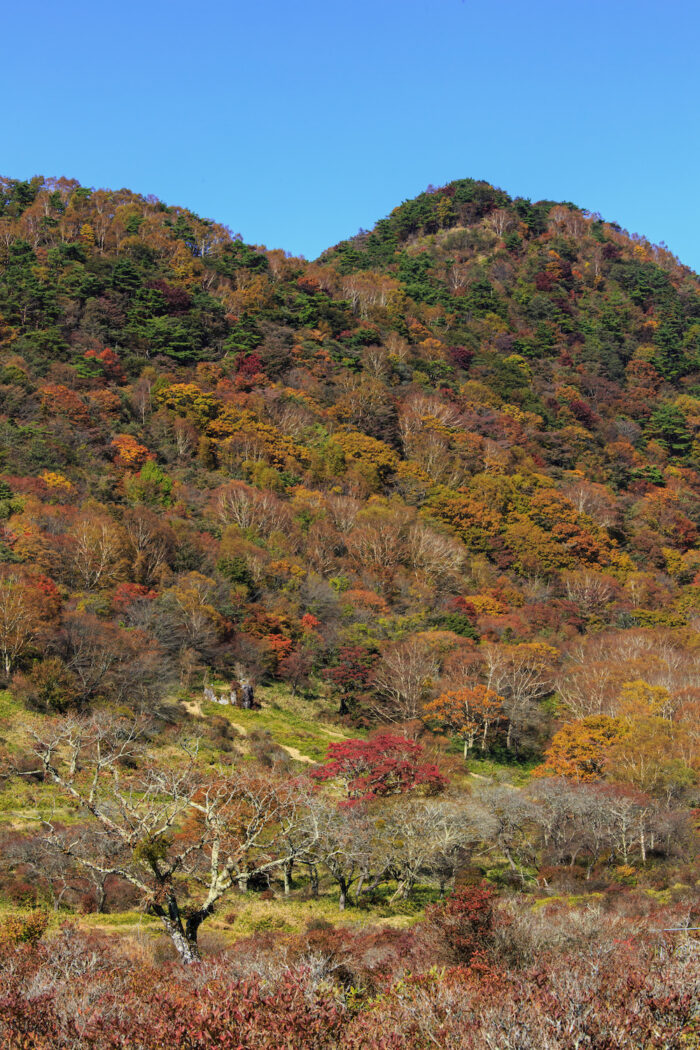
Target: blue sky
{"type": "Point", "coordinates": [298, 123]}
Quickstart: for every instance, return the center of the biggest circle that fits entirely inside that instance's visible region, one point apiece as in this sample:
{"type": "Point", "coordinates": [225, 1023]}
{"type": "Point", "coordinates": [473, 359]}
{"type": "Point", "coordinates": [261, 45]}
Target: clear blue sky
{"type": "Point", "coordinates": [298, 123]}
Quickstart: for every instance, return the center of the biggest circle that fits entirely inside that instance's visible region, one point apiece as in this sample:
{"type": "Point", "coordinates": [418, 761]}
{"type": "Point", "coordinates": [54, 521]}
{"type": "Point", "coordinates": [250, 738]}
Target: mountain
{"type": "Point", "coordinates": [433, 499]}
{"type": "Point", "coordinates": [477, 337]}
{"type": "Point", "coordinates": [478, 420]}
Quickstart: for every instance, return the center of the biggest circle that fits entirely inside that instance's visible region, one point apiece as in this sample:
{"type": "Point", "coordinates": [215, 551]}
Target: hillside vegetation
{"type": "Point", "coordinates": [436, 497]}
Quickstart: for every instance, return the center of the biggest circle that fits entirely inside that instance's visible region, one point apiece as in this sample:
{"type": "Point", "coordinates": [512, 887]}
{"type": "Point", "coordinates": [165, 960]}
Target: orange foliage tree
{"type": "Point", "coordinates": [466, 712]}
{"type": "Point", "coordinates": [129, 453]}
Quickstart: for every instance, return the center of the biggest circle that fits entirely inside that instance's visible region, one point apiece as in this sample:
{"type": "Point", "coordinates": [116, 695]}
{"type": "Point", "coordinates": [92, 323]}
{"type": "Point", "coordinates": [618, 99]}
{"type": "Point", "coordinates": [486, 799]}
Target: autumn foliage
{"type": "Point", "coordinates": [383, 765]}
{"type": "Point", "coordinates": [437, 488]}
{"type": "Point", "coordinates": [468, 712]}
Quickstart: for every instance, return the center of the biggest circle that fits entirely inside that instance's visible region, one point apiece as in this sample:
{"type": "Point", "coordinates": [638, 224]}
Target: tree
{"type": "Point", "coordinates": [383, 765]}
{"type": "Point", "coordinates": [296, 667]}
{"type": "Point", "coordinates": [109, 662]}
{"type": "Point", "coordinates": [343, 845]}
{"type": "Point", "coordinates": [589, 590]}
{"type": "Point", "coordinates": [377, 545]}
{"type": "Point", "coordinates": [374, 458]}
{"type": "Point", "coordinates": [649, 754]}
{"type": "Point", "coordinates": [504, 820]}
{"type": "Point", "coordinates": [579, 749]}
{"type": "Point", "coordinates": [434, 554]}
{"type": "Point", "coordinates": [48, 686]}
{"type": "Point", "coordinates": [181, 835]}
{"type": "Point", "coordinates": [522, 675]}
{"type": "Point", "coordinates": [404, 677]}
{"type": "Point", "coordinates": [670, 428]}
{"type": "Point", "coordinates": [592, 499]}
{"type": "Point", "coordinates": [189, 616]}
{"type": "Point", "coordinates": [98, 549]}
{"type": "Point", "coordinates": [149, 544]}
{"type": "Point", "coordinates": [351, 676]}
{"type": "Point", "coordinates": [128, 452]}
{"type": "Point", "coordinates": [241, 505]}
{"type": "Point", "coordinates": [572, 820]}
{"type": "Point", "coordinates": [417, 835]}
{"type": "Point", "coordinates": [591, 678]}
{"type": "Point", "coordinates": [19, 618]}
{"type": "Point", "coordinates": [466, 712]}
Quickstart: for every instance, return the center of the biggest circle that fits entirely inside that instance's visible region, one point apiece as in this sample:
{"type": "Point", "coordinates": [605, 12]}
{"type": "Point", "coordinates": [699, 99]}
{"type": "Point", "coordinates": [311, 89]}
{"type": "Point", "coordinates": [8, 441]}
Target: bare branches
{"type": "Point", "coordinates": [404, 679]}
{"type": "Point", "coordinates": [163, 826]}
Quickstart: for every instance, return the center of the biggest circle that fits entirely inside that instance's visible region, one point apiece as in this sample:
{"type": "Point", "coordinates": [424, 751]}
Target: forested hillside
{"type": "Point", "coordinates": [436, 497]}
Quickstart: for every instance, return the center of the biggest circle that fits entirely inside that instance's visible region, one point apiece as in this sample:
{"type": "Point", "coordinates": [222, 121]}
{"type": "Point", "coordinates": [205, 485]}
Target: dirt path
{"type": "Point", "coordinates": [194, 708]}
{"type": "Point", "coordinates": [294, 752]}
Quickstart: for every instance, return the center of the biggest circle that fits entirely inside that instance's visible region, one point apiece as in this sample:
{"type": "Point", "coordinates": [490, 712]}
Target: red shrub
{"type": "Point", "coordinates": [465, 922]}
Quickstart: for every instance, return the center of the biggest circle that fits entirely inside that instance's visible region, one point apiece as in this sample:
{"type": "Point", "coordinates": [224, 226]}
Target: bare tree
{"type": "Point", "coordinates": [434, 554]}
{"type": "Point", "coordinates": [98, 552]}
{"type": "Point", "coordinates": [522, 674]}
{"type": "Point", "coordinates": [589, 590]}
{"type": "Point", "coordinates": [593, 499]}
{"type": "Point", "coordinates": [107, 661]}
{"type": "Point", "coordinates": [239, 504]}
{"type": "Point", "coordinates": [377, 543]}
{"type": "Point", "coordinates": [343, 511]}
{"type": "Point", "coordinates": [141, 399]}
{"type": "Point", "coordinates": [181, 836]}
{"type": "Point", "coordinates": [504, 819]}
{"type": "Point", "coordinates": [419, 834]}
{"type": "Point", "coordinates": [500, 221]}
{"type": "Point", "coordinates": [18, 619]}
{"type": "Point", "coordinates": [149, 544]}
{"type": "Point", "coordinates": [343, 846]}
{"type": "Point", "coordinates": [572, 821]}
{"type": "Point", "coordinates": [590, 682]}
{"type": "Point", "coordinates": [404, 679]}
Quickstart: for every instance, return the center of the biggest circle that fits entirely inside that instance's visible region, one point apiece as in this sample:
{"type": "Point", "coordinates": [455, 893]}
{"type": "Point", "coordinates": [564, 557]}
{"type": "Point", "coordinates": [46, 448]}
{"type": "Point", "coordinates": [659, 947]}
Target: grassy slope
{"type": "Point", "coordinates": [303, 727]}
{"type": "Point", "coordinates": [300, 726]}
